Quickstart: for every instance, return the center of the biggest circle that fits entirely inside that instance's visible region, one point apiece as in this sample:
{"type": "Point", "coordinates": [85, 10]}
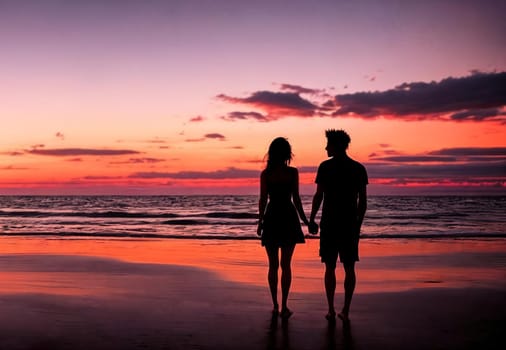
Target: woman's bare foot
{"type": "Point", "coordinates": [343, 316]}
{"type": "Point", "coordinates": [286, 313]}
{"type": "Point", "coordinates": [275, 309]}
{"type": "Point", "coordinates": [331, 316]}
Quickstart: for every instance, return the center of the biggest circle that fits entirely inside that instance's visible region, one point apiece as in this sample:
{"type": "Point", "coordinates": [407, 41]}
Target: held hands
{"type": "Point", "coordinates": [312, 227]}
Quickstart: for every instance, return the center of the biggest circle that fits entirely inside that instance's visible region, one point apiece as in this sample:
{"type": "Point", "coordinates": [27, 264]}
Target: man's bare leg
{"type": "Point", "coordinates": [349, 287]}
{"type": "Point", "coordinates": [330, 289]}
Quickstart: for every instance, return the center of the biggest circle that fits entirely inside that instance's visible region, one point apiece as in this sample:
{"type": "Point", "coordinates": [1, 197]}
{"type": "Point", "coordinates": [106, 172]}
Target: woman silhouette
{"type": "Point", "coordinates": [279, 225]}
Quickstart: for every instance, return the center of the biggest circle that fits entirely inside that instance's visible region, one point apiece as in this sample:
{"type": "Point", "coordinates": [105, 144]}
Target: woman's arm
{"type": "Point", "coordinates": [296, 197]}
{"type": "Point", "coordinates": [262, 202]}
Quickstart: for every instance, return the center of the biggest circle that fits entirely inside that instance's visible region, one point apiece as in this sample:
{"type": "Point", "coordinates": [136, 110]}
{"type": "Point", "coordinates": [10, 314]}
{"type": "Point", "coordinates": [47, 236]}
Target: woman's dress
{"type": "Point", "coordinates": [281, 224]}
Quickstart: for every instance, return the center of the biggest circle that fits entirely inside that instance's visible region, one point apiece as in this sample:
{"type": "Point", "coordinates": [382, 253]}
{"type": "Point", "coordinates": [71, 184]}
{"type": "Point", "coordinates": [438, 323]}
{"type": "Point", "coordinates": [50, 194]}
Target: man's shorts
{"type": "Point", "coordinates": [333, 246]}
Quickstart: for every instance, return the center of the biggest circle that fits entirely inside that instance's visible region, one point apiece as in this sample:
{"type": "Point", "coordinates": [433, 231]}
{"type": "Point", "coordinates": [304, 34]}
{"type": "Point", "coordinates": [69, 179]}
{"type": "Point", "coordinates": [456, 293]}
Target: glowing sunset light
{"type": "Point", "coordinates": [185, 96]}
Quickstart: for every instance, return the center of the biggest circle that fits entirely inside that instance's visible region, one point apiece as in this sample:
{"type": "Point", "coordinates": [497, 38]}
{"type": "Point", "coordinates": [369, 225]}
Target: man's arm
{"type": "Point", "coordinates": [362, 206]}
{"type": "Point", "coordinates": [317, 201]}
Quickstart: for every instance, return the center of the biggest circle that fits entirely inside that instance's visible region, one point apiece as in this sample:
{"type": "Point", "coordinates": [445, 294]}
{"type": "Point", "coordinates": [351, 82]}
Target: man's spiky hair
{"type": "Point", "coordinates": [338, 138]}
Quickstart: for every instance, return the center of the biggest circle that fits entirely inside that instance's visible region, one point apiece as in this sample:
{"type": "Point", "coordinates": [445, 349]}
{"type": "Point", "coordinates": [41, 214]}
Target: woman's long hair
{"type": "Point", "coordinates": [280, 153]}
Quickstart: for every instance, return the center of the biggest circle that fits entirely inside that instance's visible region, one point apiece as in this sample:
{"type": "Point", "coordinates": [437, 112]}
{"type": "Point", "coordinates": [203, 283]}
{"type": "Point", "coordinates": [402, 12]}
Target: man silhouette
{"type": "Point", "coordinates": [341, 185]}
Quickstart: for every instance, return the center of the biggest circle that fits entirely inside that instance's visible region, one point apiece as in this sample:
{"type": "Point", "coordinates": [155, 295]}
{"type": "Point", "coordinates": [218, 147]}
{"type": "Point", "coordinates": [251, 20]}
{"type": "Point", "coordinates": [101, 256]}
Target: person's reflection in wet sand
{"type": "Point", "coordinates": [347, 337]}
{"type": "Point", "coordinates": [272, 332]}
{"type": "Point", "coordinates": [272, 335]}
{"type": "Point", "coordinates": [332, 334]}
{"type": "Point", "coordinates": [330, 337]}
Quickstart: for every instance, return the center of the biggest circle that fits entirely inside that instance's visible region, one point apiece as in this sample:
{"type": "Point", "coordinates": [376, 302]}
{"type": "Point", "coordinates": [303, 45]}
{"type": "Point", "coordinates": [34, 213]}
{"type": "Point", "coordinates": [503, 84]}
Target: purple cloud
{"type": "Point", "coordinates": [195, 140]}
{"type": "Point", "coordinates": [140, 161]}
{"type": "Point", "coordinates": [299, 89]}
{"type": "Point", "coordinates": [215, 136]}
{"type": "Point", "coordinates": [437, 171]}
{"type": "Point", "coordinates": [94, 178]}
{"type": "Point", "coordinates": [416, 159]}
{"type": "Point", "coordinates": [229, 173]}
{"type": "Point", "coordinates": [276, 104]}
{"type": "Point", "coordinates": [210, 136]}
{"type": "Point", "coordinates": [197, 119]}
{"type": "Point", "coordinates": [471, 151]}
{"type": "Point", "coordinates": [72, 152]}
{"type": "Point", "coordinates": [156, 141]}
{"type": "Point", "coordinates": [233, 116]}
{"type": "Point", "coordinates": [479, 115]}
{"type": "Point", "coordinates": [446, 155]}
{"type": "Point", "coordinates": [12, 167]}
{"type": "Point", "coordinates": [464, 164]}
{"type": "Point", "coordinates": [472, 97]}
{"type": "Point", "coordinates": [479, 97]}
{"type": "Point", "coordinates": [12, 154]}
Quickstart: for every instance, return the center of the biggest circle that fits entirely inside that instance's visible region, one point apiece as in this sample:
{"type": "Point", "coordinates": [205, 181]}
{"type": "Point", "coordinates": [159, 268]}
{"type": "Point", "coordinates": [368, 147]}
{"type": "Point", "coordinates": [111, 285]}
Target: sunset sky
{"type": "Point", "coordinates": [184, 96]}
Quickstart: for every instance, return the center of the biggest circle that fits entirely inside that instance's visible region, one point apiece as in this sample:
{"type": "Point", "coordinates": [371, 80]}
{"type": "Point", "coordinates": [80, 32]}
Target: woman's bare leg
{"type": "Point", "coordinates": [272, 276]}
{"type": "Point", "coordinates": [286, 274]}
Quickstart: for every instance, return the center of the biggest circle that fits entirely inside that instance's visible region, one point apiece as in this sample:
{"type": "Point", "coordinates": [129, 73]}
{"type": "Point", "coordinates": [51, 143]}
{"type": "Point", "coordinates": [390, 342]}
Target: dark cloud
{"type": "Point", "coordinates": [12, 167]}
{"type": "Point", "coordinates": [419, 100]}
{"type": "Point", "coordinates": [478, 115]}
{"type": "Point", "coordinates": [416, 159]}
{"type": "Point", "coordinates": [12, 154]}
{"type": "Point", "coordinates": [215, 136]}
{"type": "Point", "coordinates": [308, 169]}
{"type": "Point", "coordinates": [413, 171]}
{"type": "Point", "coordinates": [72, 152]}
{"type": "Point", "coordinates": [489, 182]}
{"type": "Point", "coordinates": [485, 158]}
{"type": "Point", "coordinates": [156, 141]}
{"type": "Point", "coordinates": [299, 89]}
{"type": "Point", "coordinates": [210, 136]}
{"type": "Point", "coordinates": [466, 164]}
{"type": "Point", "coordinates": [478, 97]}
{"type": "Point", "coordinates": [197, 119]}
{"type": "Point", "coordinates": [100, 178]}
{"type": "Point", "coordinates": [276, 104]}
{"type": "Point", "coordinates": [234, 116]}
{"type": "Point", "coordinates": [140, 161]}
{"type": "Point", "coordinates": [471, 151]}
{"type": "Point", "coordinates": [385, 152]}
{"type": "Point", "coordinates": [195, 140]}
{"type": "Point", "coordinates": [229, 173]}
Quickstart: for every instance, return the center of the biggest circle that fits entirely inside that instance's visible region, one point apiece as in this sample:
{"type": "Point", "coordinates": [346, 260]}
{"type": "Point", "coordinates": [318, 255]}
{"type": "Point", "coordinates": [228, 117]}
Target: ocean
{"type": "Point", "coordinates": [234, 217]}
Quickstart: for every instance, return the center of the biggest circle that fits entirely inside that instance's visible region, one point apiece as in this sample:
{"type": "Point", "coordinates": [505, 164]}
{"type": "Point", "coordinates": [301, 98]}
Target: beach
{"type": "Point", "coordinates": [211, 294]}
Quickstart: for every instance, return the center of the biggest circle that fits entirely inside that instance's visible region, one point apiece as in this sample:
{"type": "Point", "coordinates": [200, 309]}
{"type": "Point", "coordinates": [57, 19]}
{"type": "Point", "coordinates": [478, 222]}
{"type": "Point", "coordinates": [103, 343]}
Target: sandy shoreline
{"type": "Point", "coordinates": [90, 294]}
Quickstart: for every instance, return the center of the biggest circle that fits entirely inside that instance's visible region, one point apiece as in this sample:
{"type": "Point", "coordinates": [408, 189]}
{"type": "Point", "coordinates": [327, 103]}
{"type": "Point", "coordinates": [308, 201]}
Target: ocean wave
{"type": "Point", "coordinates": [112, 235]}
{"type": "Point", "coordinates": [203, 222]}
{"type": "Point", "coordinates": [123, 214]}
{"type": "Point", "coordinates": [95, 214]}
{"type": "Point", "coordinates": [229, 215]}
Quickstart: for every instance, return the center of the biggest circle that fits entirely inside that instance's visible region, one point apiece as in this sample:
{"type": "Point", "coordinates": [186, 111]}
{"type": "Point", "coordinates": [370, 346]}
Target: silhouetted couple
{"type": "Point", "coordinates": [341, 186]}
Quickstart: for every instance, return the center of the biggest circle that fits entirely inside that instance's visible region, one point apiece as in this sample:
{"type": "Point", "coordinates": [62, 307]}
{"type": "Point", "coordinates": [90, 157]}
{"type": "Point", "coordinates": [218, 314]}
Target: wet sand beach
{"type": "Point", "coordinates": [186, 294]}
